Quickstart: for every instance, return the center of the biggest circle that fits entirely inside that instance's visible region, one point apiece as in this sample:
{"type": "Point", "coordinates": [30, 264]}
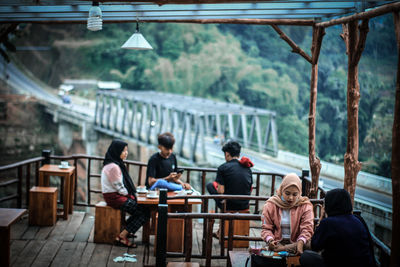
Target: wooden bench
{"type": "Point", "coordinates": [42, 206]}
{"type": "Point", "coordinates": [7, 218]}
{"type": "Point", "coordinates": [108, 223]}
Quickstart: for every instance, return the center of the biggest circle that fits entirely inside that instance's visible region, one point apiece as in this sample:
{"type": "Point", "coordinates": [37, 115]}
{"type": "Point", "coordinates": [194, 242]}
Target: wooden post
{"type": "Point", "coordinates": [315, 164]}
{"type": "Point", "coordinates": [318, 34]}
{"type": "Point", "coordinates": [395, 257]}
{"type": "Point", "coordinates": [162, 235]}
{"type": "Point", "coordinates": [355, 43]}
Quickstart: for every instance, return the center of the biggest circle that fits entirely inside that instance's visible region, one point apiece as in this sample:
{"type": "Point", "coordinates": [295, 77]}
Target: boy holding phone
{"type": "Point", "coordinates": [162, 167]}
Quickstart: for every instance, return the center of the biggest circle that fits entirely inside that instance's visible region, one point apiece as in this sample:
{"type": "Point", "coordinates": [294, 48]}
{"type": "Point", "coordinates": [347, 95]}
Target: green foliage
{"type": "Point", "coordinates": [246, 64]}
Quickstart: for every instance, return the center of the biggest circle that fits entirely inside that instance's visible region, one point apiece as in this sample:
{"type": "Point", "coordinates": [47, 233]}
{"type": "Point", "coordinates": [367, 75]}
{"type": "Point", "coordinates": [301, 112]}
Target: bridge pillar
{"type": "Point", "coordinates": [65, 134]}
{"type": "Point", "coordinates": [90, 138]}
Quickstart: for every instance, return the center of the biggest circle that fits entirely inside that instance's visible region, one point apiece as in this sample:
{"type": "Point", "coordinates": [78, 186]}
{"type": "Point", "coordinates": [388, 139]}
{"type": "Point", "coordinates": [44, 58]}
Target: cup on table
{"type": "Point", "coordinates": [64, 164]}
{"type": "Point", "coordinates": [152, 193]}
{"type": "Point", "coordinates": [141, 189]}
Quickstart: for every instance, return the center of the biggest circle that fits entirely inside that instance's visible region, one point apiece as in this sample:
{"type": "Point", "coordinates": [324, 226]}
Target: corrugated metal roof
{"type": "Point", "coordinates": [77, 11]}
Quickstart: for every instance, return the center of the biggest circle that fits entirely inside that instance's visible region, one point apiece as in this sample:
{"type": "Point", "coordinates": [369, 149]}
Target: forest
{"type": "Point", "coordinates": [246, 64]}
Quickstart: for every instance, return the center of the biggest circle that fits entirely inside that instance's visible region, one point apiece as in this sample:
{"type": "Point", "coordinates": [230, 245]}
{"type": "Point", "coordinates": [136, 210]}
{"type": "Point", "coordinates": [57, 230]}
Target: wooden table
{"type": "Point", "coordinates": [68, 176]}
{"type": "Point", "coordinates": [176, 229]}
{"type": "Point", "coordinates": [238, 259]}
{"type": "Point", "coordinates": [7, 218]}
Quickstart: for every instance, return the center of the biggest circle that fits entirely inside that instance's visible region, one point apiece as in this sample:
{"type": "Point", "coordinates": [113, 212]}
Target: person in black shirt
{"type": "Point", "coordinates": [343, 237]}
{"type": "Point", "coordinates": [162, 166]}
{"type": "Point", "coordinates": [234, 177]}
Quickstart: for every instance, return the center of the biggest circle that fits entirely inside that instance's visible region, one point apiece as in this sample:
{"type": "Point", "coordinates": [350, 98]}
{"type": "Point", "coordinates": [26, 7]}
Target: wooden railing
{"type": "Point", "coordinates": [86, 172]}
{"type": "Point", "coordinates": [16, 179]}
{"type": "Point", "coordinates": [19, 173]}
{"type": "Point", "coordinates": [208, 222]}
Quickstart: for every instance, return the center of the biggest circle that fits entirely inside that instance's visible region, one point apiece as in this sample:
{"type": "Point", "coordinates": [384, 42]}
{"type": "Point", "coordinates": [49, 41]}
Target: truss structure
{"type": "Point", "coordinates": [145, 114]}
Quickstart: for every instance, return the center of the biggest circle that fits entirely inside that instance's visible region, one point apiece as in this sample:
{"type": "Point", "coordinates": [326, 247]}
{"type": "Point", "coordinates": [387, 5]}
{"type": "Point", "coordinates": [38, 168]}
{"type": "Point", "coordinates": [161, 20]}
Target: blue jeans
{"type": "Point", "coordinates": [161, 183]}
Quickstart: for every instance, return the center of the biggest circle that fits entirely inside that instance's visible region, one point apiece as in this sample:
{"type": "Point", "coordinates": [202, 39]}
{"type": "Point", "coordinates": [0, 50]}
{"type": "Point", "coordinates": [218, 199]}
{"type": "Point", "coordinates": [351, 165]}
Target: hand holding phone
{"type": "Point", "coordinates": [180, 171]}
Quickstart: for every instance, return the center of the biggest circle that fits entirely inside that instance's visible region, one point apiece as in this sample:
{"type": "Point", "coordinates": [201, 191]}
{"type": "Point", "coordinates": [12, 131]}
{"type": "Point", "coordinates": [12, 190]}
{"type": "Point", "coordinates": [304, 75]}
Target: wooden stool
{"type": "Point", "coordinates": [107, 223]}
{"type": "Point", "coordinates": [174, 241]}
{"type": "Point", "coordinates": [240, 227]}
{"type": "Point", "coordinates": [183, 264]}
{"type": "Point", "coordinates": [43, 206]}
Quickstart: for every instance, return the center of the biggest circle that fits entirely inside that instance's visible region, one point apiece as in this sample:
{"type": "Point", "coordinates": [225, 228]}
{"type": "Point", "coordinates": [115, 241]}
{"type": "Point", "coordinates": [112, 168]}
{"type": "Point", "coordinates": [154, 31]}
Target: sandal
{"type": "Point", "coordinates": [124, 241]}
{"type": "Point", "coordinates": [132, 235]}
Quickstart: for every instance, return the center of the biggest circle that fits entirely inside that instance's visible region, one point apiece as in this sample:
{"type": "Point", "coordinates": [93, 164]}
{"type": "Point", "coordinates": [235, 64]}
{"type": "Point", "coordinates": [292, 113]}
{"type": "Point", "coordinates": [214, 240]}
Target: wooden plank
{"type": "Point", "coordinates": [115, 252]}
{"type": "Point", "coordinates": [29, 253]}
{"type": "Point", "coordinates": [77, 256]}
{"type": "Point", "coordinates": [18, 229]}
{"type": "Point", "coordinates": [100, 255]}
{"type": "Point", "coordinates": [72, 228]}
{"type": "Point", "coordinates": [58, 231]}
{"type": "Point", "coordinates": [30, 233]}
{"type": "Point", "coordinates": [139, 252]}
{"type": "Point", "coordinates": [87, 254]}
{"type": "Point", "coordinates": [91, 235]}
{"type": "Point", "coordinates": [44, 232]}
{"type": "Point", "coordinates": [84, 229]}
{"type": "Point", "coordinates": [16, 247]}
{"type": "Point", "coordinates": [46, 255]}
{"type": "Point", "coordinates": [64, 254]}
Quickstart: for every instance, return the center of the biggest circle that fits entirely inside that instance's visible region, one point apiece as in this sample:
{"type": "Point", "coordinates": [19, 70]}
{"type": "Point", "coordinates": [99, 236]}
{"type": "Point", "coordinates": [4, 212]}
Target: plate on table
{"type": "Point", "coordinates": [148, 196]}
{"type": "Point", "coordinates": [142, 191]}
{"type": "Point", "coordinates": [63, 167]}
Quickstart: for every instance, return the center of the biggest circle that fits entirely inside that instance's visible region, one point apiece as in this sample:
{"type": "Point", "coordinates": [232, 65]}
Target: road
{"type": "Point", "coordinates": [269, 165]}
{"type": "Point", "coordinates": [17, 79]}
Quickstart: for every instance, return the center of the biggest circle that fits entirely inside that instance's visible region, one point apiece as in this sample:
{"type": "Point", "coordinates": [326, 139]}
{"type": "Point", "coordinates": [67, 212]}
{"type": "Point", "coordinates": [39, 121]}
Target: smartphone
{"type": "Point", "coordinates": [180, 170]}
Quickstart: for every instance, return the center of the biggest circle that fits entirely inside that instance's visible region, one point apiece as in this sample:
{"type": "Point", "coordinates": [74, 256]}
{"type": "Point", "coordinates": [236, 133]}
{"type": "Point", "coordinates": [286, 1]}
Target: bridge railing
{"type": "Point", "coordinates": [16, 179]}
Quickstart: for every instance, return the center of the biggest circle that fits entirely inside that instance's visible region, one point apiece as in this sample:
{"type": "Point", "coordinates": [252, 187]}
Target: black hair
{"type": "Point", "coordinates": [166, 140]}
{"type": "Point", "coordinates": [233, 148]}
{"type": "Point", "coordinates": [338, 202]}
{"type": "Point", "coordinates": [113, 155]}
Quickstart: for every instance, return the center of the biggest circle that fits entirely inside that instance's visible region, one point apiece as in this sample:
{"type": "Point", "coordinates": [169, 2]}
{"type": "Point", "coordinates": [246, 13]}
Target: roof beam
{"type": "Point", "coordinates": [393, 7]}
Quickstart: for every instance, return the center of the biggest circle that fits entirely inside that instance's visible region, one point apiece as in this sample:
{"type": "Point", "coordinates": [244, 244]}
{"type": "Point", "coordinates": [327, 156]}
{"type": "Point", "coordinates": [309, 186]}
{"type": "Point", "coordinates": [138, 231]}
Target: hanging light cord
{"type": "Point", "coordinates": [137, 24]}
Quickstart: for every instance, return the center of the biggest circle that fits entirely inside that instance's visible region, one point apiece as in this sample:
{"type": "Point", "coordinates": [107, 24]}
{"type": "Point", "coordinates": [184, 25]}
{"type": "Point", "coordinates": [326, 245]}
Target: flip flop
{"type": "Point", "coordinates": [124, 242]}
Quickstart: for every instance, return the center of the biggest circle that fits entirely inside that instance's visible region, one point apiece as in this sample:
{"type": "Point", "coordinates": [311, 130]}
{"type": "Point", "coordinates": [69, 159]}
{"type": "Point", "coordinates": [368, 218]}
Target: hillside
{"type": "Point", "coordinates": [237, 63]}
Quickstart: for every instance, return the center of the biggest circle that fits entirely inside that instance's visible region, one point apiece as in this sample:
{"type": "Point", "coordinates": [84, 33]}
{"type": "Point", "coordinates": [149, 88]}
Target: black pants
{"type": "Point", "coordinates": [311, 259]}
{"type": "Point", "coordinates": [139, 215]}
{"type": "Point", "coordinates": [212, 191]}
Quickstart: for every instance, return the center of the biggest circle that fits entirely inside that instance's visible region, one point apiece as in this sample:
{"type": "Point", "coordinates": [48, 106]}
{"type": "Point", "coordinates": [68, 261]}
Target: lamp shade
{"type": "Point", "coordinates": [137, 41]}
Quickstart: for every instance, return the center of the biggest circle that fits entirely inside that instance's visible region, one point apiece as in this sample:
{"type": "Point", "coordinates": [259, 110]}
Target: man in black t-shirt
{"type": "Point", "coordinates": [234, 177]}
{"type": "Point", "coordinates": [162, 166]}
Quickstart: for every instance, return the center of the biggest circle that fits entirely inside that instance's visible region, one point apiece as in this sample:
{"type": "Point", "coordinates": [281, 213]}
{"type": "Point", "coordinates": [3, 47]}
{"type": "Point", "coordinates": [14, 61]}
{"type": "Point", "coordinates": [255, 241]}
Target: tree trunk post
{"type": "Point", "coordinates": [355, 43]}
{"type": "Point", "coordinates": [395, 256]}
{"type": "Point", "coordinates": [315, 164]}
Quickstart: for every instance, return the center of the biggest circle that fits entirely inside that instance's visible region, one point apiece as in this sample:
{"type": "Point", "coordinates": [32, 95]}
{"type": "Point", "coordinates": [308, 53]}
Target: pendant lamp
{"type": "Point", "coordinates": [137, 41]}
{"type": "Point", "coordinates": [95, 21]}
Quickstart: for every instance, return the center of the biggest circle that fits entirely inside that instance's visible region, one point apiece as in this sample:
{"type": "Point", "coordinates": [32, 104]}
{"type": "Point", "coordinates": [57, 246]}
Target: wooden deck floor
{"type": "Point", "coordinates": [70, 243]}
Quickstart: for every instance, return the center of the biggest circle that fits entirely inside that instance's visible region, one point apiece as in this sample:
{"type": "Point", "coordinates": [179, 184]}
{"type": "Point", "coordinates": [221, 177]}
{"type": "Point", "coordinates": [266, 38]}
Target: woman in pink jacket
{"type": "Point", "coordinates": [288, 219]}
